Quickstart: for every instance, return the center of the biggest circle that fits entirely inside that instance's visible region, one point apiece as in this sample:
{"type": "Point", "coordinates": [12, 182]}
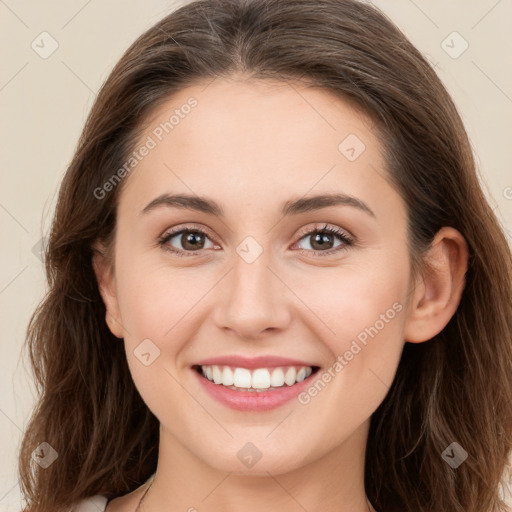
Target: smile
{"type": "Point", "coordinates": [256, 389]}
{"type": "Point", "coordinates": [259, 379]}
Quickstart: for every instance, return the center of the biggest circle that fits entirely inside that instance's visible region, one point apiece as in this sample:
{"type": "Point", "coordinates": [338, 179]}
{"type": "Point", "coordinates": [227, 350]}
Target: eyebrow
{"type": "Point", "coordinates": [291, 207]}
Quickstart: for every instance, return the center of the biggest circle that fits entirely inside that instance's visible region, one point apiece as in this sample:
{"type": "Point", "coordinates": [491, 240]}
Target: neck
{"type": "Point", "coordinates": [331, 483]}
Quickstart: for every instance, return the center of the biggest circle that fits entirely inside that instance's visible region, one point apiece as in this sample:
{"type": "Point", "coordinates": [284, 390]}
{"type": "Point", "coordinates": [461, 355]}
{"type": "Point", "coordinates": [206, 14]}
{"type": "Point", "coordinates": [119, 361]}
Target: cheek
{"type": "Point", "coordinates": [160, 304]}
{"type": "Point", "coordinates": [154, 298]}
{"type": "Point", "coordinates": [368, 312]}
{"type": "Point", "coordinates": [367, 317]}
{"type": "Point", "coordinates": [156, 308]}
{"type": "Point", "coordinates": [356, 303]}
{"type": "Point", "coordinates": [364, 308]}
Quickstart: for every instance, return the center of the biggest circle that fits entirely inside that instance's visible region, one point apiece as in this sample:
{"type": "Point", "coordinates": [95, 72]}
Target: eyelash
{"type": "Point", "coordinates": [347, 240]}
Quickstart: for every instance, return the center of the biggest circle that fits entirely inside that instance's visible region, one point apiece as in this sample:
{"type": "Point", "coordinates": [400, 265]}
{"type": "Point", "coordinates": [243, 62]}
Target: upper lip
{"type": "Point", "coordinates": [252, 362]}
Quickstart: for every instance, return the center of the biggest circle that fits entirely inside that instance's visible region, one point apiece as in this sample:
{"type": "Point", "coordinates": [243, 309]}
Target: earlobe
{"type": "Point", "coordinates": [437, 296]}
{"type": "Point", "coordinates": [103, 270]}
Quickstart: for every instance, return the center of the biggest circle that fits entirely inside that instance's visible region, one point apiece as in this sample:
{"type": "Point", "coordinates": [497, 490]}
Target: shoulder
{"type": "Point", "coordinates": [96, 503]}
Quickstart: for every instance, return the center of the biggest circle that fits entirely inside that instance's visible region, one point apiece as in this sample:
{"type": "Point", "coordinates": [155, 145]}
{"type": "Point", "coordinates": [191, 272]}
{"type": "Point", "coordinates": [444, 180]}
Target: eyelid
{"type": "Point", "coordinates": [191, 226]}
{"type": "Point", "coordinates": [321, 226]}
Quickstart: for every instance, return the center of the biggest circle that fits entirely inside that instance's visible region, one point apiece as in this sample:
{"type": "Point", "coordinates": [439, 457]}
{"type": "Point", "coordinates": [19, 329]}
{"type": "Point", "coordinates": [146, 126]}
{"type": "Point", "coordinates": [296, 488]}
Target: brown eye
{"type": "Point", "coordinates": [319, 241]}
{"type": "Point", "coordinates": [323, 240]}
{"type": "Point", "coordinates": [190, 240]}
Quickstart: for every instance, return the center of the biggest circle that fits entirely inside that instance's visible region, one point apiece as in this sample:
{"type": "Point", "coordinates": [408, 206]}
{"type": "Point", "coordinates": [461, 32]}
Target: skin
{"type": "Point", "coordinates": [252, 145]}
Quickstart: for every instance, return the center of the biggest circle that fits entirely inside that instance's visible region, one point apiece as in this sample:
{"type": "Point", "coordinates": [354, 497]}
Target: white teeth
{"type": "Point", "coordinates": [217, 375]}
{"type": "Point", "coordinates": [290, 376]}
{"type": "Point", "coordinates": [261, 379]}
{"type": "Point", "coordinates": [227, 376]}
{"type": "Point", "coordinates": [277, 379]}
{"type": "Point", "coordinates": [301, 374]}
{"type": "Point", "coordinates": [258, 379]}
{"type": "Point", "coordinates": [242, 378]}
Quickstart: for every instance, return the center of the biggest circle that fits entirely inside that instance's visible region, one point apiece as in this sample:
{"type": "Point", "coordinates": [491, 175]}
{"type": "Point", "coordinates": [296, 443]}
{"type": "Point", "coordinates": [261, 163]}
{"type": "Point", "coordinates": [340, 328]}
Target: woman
{"type": "Point", "coordinates": [274, 280]}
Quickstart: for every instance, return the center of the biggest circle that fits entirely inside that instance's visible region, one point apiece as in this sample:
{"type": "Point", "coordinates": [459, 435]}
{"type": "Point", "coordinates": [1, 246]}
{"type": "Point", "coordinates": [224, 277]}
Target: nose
{"type": "Point", "coordinates": [253, 301]}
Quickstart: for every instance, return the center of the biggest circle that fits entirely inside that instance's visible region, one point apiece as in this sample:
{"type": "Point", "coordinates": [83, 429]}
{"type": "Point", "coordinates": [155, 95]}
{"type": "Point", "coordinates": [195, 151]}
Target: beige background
{"type": "Point", "coordinates": [44, 103]}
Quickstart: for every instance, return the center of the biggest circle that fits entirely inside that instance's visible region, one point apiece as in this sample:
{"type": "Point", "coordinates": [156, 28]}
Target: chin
{"type": "Point", "coordinates": [248, 460]}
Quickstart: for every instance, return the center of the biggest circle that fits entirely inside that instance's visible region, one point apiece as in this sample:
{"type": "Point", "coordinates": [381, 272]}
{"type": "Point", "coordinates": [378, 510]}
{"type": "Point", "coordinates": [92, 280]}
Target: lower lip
{"type": "Point", "coordinates": [252, 400]}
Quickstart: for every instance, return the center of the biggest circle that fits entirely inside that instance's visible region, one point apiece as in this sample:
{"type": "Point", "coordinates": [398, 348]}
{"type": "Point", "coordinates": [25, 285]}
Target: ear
{"type": "Point", "coordinates": [104, 270]}
{"type": "Point", "coordinates": [437, 294]}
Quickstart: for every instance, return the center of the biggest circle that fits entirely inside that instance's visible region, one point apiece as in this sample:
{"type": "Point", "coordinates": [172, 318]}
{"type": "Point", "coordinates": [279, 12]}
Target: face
{"type": "Point", "coordinates": [325, 286]}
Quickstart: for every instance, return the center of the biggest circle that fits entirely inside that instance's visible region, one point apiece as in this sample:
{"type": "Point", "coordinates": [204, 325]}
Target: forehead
{"type": "Point", "coordinates": [259, 108]}
{"type": "Point", "coordinates": [254, 139]}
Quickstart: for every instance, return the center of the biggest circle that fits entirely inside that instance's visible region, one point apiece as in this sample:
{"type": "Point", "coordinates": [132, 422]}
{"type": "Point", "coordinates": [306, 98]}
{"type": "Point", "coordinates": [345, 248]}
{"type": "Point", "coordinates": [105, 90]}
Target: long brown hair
{"type": "Point", "coordinates": [456, 387]}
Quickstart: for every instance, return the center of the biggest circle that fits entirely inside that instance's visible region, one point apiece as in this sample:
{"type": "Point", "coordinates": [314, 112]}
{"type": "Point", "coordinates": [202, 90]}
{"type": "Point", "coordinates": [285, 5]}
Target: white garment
{"type": "Point", "coordinates": [96, 503]}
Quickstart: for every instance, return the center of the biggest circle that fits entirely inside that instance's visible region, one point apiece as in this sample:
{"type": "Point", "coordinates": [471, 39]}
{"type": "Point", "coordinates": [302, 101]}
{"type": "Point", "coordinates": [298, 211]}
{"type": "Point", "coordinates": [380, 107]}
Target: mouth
{"type": "Point", "coordinates": [257, 383]}
{"type": "Point", "coordinates": [256, 380]}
